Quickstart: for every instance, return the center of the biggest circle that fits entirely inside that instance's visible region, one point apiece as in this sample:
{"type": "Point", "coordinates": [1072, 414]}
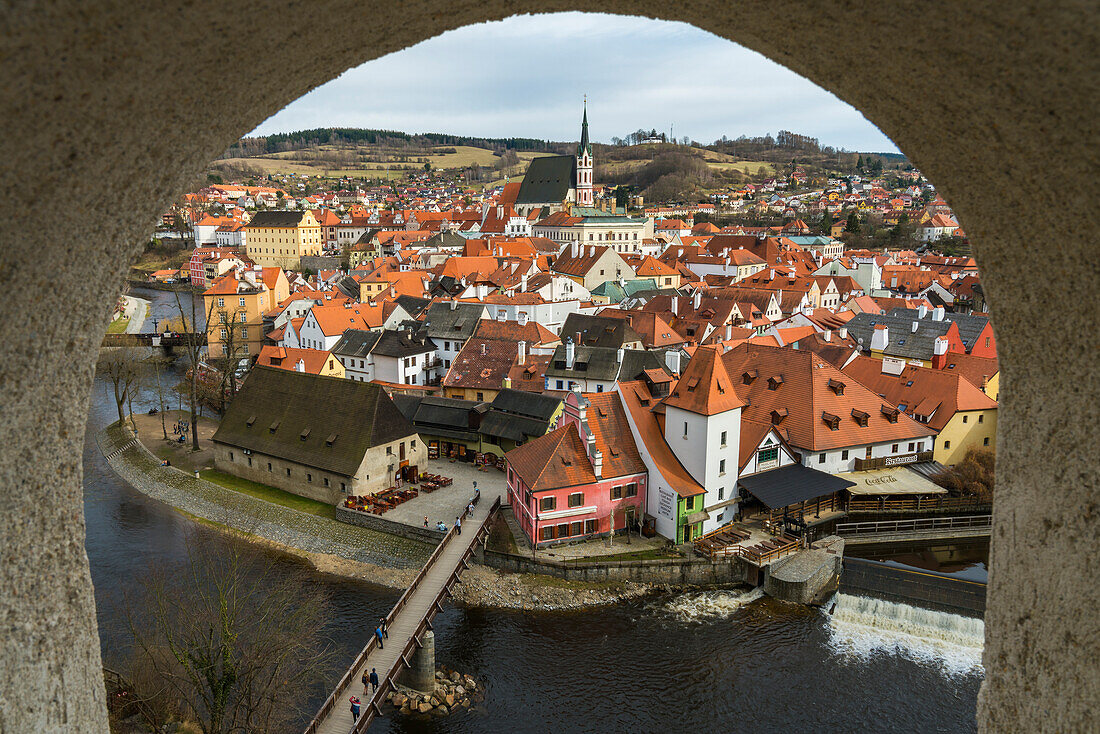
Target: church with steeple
{"type": "Point", "coordinates": [552, 182]}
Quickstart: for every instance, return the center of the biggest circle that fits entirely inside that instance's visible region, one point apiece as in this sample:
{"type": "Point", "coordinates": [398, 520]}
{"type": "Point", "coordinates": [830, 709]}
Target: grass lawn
{"type": "Point", "coordinates": [269, 494]}
{"type": "Point", "coordinates": [118, 326]}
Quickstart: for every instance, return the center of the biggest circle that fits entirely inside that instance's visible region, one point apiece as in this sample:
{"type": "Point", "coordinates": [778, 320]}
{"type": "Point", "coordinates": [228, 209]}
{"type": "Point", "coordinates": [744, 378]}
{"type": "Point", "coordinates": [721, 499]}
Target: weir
{"type": "Point", "coordinates": [863, 625]}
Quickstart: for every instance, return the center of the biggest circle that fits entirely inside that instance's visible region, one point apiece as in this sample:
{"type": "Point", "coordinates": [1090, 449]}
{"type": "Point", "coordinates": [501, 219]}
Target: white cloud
{"type": "Point", "coordinates": [526, 76]}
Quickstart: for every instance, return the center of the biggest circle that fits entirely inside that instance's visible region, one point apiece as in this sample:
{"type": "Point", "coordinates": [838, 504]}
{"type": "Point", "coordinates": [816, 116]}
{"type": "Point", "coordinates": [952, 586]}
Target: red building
{"type": "Point", "coordinates": [569, 484]}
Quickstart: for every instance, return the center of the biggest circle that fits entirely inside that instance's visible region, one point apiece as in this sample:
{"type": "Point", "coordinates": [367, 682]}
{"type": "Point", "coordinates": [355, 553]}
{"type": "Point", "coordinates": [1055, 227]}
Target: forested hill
{"type": "Point", "coordinates": [302, 139]}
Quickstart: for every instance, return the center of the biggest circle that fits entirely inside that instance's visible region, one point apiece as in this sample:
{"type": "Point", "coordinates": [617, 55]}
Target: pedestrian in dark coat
{"type": "Point", "coordinates": [365, 681]}
{"type": "Point", "coordinates": [382, 626]}
{"type": "Point", "coordinates": [374, 679]}
{"type": "Point", "coordinates": [354, 708]}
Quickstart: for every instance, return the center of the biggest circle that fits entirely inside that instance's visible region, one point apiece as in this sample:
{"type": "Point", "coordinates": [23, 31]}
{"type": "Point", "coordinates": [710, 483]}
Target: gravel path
{"type": "Point", "coordinates": [281, 525]}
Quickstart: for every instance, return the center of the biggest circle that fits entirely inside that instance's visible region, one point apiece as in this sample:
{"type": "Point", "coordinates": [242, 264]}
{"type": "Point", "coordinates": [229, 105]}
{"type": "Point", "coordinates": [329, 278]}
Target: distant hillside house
{"type": "Point", "coordinates": [317, 437]}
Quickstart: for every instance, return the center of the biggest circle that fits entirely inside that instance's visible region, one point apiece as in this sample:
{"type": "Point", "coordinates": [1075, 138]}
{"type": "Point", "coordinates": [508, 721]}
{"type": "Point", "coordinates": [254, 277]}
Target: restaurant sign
{"type": "Point", "coordinates": [665, 503]}
{"type": "Point", "coordinates": [899, 460]}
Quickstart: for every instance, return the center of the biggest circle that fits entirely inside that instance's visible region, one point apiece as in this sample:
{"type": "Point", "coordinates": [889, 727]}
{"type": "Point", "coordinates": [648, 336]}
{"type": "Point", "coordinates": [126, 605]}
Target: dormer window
{"type": "Point", "coordinates": [836, 386]}
{"type": "Point", "coordinates": [890, 413]}
{"type": "Point", "coordinates": [304, 434]}
{"type": "Point", "coordinates": [250, 421]}
{"type": "Point", "coordinates": [331, 439]}
{"type": "Point", "coordinates": [775, 382]}
{"type": "Point", "coordinates": [692, 384]}
{"type": "Point", "coordinates": [748, 377]}
{"type": "Point", "coordinates": [832, 421]}
{"type": "Point", "coordinates": [273, 427]}
{"type": "Point", "coordinates": [778, 415]}
{"type": "Point", "coordinates": [860, 417]}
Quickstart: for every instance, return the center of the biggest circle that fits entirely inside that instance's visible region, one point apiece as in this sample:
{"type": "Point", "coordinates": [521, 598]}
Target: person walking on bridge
{"type": "Point", "coordinates": [382, 626]}
{"type": "Point", "coordinates": [458, 526]}
{"type": "Point", "coordinates": [354, 708]}
{"type": "Point", "coordinates": [373, 680]}
{"type": "Point", "coordinates": [378, 634]}
{"type": "Point", "coordinates": [365, 682]}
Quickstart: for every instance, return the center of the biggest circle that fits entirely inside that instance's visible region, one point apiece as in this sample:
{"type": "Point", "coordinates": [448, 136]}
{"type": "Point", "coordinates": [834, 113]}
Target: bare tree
{"type": "Point", "coordinates": [157, 362]}
{"type": "Point", "coordinates": [233, 643]}
{"type": "Point", "coordinates": [120, 366]}
{"type": "Point", "coordinates": [194, 353]}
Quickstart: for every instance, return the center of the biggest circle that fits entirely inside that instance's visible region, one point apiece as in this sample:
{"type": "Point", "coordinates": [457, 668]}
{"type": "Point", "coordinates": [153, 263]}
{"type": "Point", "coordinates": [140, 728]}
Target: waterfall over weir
{"type": "Point", "coordinates": [861, 626]}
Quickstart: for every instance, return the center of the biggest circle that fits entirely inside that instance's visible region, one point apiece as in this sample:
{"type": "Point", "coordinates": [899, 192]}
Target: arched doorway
{"type": "Point", "coordinates": [109, 112]}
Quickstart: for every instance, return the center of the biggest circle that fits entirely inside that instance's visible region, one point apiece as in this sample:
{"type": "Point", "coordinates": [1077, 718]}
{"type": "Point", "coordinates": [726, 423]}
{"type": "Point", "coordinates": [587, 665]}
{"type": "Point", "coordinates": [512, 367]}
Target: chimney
{"type": "Point", "coordinates": [300, 366]}
{"type": "Point", "coordinates": [570, 353]}
{"type": "Point", "coordinates": [922, 311]}
{"type": "Point", "coordinates": [827, 335]}
{"type": "Point", "coordinates": [916, 325]}
{"type": "Point", "coordinates": [484, 348]}
{"type": "Point", "coordinates": [674, 300]}
{"type": "Point", "coordinates": [522, 318]}
{"type": "Point", "coordinates": [523, 283]}
{"type": "Point", "coordinates": [597, 463]}
{"type": "Point", "coordinates": [521, 357]}
{"type": "Point", "coordinates": [729, 331]}
{"type": "Point", "coordinates": [697, 301]}
{"type": "Point", "coordinates": [454, 304]}
{"type": "Point", "coordinates": [842, 332]}
{"type": "Point", "coordinates": [506, 383]}
{"type": "Point", "coordinates": [880, 339]}
{"type": "Point", "coordinates": [591, 250]}
{"type": "Point", "coordinates": [939, 353]}
{"type": "Point", "coordinates": [937, 313]}
{"type": "Point", "coordinates": [619, 355]}
{"type": "Point", "coordinates": [672, 361]}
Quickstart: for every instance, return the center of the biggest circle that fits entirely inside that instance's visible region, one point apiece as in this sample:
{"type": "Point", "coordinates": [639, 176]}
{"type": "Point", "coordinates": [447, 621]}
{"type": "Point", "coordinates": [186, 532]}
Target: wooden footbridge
{"type": "Point", "coordinates": [409, 619]}
{"type": "Point", "coordinates": [173, 339]}
{"type": "Point", "coordinates": [927, 528]}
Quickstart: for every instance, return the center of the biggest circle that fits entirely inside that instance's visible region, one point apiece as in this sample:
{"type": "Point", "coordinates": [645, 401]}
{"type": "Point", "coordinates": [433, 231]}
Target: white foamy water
{"type": "Point", "coordinates": [709, 605]}
{"type": "Point", "coordinates": [862, 627]}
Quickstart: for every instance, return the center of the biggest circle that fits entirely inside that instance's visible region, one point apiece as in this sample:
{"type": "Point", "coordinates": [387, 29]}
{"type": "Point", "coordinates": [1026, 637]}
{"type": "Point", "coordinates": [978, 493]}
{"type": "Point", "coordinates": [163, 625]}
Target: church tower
{"type": "Point", "coordinates": [584, 165]}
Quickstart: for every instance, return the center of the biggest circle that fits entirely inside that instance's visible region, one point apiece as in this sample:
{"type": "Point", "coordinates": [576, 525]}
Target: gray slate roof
{"type": "Point", "coordinates": [598, 331]}
{"type": "Point", "coordinates": [548, 180]}
{"type": "Point", "coordinates": [519, 402]}
{"type": "Point", "coordinates": [326, 422]}
{"type": "Point", "coordinates": [459, 323]}
{"type": "Point", "coordinates": [970, 325]}
{"type": "Point", "coordinates": [402, 344]}
{"type": "Point", "coordinates": [903, 341]}
{"type": "Point", "coordinates": [356, 343]}
{"type": "Point", "coordinates": [601, 363]}
{"type": "Point", "coordinates": [275, 219]}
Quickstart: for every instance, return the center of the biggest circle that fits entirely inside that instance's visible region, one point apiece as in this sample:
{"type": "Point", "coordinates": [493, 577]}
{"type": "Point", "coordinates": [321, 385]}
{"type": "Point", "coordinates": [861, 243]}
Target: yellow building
{"type": "Point", "coordinates": [281, 238]}
{"type": "Point", "coordinates": [964, 417]}
{"type": "Point", "coordinates": [235, 306]}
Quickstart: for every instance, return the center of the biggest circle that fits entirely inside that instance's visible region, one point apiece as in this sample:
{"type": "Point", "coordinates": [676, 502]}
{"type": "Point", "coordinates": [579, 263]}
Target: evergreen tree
{"type": "Point", "coordinates": [853, 223]}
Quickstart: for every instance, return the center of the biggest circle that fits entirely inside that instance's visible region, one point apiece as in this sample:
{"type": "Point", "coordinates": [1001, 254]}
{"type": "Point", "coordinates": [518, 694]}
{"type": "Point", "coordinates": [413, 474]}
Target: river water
{"type": "Point", "coordinates": [707, 661]}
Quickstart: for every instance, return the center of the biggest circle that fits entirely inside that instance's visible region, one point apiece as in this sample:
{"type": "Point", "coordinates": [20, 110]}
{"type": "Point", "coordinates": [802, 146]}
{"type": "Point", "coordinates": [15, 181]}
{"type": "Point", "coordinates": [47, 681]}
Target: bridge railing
{"type": "Point", "coordinates": [914, 526]}
{"type": "Point", "coordinates": [372, 707]}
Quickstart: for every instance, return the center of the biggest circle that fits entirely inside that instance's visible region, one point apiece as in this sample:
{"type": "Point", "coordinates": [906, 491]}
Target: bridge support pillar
{"type": "Point", "coordinates": [420, 675]}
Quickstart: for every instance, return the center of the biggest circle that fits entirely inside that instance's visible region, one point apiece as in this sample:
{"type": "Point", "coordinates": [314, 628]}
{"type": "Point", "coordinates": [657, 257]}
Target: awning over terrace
{"type": "Point", "coordinates": [792, 484]}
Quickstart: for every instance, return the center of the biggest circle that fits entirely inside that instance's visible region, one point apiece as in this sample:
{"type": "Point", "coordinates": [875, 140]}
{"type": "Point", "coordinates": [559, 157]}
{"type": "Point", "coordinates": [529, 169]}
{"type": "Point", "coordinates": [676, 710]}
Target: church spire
{"type": "Point", "coordinates": [585, 146]}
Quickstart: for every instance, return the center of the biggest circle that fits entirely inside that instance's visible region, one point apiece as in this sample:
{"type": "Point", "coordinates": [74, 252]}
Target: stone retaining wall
{"type": "Point", "coordinates": [382, 525]}
{"type": "Point", "coordinates": [865, 577]}
{"type": "Point", "coordinates": [675, 571]}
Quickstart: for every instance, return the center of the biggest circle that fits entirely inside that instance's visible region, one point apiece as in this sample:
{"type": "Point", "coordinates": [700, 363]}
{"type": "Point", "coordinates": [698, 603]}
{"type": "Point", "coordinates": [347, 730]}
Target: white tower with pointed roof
{"type": "Point", "coordinates": [584, 165]}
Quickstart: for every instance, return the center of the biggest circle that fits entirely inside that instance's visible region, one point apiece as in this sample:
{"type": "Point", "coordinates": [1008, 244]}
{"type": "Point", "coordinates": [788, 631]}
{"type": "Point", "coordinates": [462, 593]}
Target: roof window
{"type": "Point", "coordinates": [250, 421]}
{"type": "Point", "coordinates": [304, 434]}
{"type": "Point", "coordinates": [890, 413]}
{"type": "Point", "coordinates": [833, 421]}
{"type": "Point", "coordinates": [748, 377]}
{"type": "Point", "coordinates": [836, 386]}
{"type": "Point", "coordinates": [273, 427]}
{"type": "Point", "coordinates": [331, 439]}
{"type": "Point", "coordinates": [778, 415]}
{"type": "Point", "coordinates": [775, 382]}
{"type": "Point", "coordinates": [860, 417]}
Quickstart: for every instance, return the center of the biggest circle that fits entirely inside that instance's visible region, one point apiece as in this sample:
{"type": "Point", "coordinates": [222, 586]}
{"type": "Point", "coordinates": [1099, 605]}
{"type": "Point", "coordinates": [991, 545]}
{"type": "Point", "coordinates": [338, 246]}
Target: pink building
{"type": "Point", "coordinates": [566, 485]}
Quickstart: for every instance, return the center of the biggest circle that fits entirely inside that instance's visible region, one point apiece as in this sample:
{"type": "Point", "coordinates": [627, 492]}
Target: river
{"type": "Point", "coordinates": [707, 661]}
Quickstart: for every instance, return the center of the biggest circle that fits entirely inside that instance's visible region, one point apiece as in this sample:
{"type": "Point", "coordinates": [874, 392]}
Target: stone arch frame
{"type": "Point", "coordinates": [109, 110]}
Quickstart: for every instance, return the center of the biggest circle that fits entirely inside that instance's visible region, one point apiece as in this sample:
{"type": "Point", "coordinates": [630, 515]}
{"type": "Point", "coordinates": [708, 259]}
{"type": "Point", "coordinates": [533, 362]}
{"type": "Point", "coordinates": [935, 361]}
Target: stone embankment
{"type": "Point", "coordinates": [486, 587]}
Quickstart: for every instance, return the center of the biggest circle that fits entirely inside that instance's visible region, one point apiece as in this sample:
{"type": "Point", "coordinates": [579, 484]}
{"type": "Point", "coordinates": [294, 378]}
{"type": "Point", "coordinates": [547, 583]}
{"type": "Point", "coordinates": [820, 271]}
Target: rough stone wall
{"type": "Point", "coordinates": [112, 109]}
{"type": "Point", "coordinates": [686, 572]}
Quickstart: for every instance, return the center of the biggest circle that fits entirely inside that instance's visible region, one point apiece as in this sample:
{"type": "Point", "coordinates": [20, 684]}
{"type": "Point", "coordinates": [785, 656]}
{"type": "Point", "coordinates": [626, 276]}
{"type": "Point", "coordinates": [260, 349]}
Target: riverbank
{"type": "Point", "coordinates": [338, 548]}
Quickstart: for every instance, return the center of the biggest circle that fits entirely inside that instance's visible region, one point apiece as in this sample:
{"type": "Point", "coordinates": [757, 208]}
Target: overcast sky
{"type": "Point", "coordinates": [526, 77]}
